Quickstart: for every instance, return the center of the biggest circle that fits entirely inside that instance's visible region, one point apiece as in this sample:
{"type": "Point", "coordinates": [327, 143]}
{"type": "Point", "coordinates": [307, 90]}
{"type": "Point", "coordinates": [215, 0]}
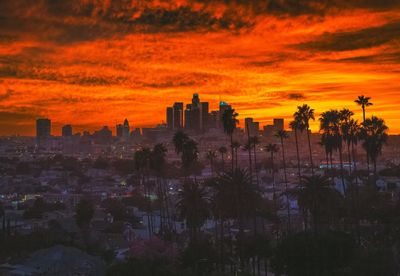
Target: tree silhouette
{"type": "Point", "coordinates": [374, 136]}
{"type": "Point", "coordinates": [193, 206]}
{"type": "Point", "coordinates": [282, 135]}
{"type": "Point", "coordinates": [363, 102]}
{"type": "Point", "coordinates": [303, 115]}
{"type": "Point", "coordinates": [229, 121]}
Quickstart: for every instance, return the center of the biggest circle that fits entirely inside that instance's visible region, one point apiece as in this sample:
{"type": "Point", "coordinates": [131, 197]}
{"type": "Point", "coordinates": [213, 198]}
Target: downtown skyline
{"type": "Point", "coordinates": [93, 63]}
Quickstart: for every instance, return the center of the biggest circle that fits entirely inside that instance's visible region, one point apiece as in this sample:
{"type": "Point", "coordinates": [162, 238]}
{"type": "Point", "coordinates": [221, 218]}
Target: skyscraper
{"type": "Point", "coordinates": [251, 126]}
{"type": "Point", "coordinates": [204, 116]}
{"type": "Point", "coordinates": [178, 115]}
{"type": "Point", "coordinates": [43, 128]}
{"type": "Point", "coordinates": [119, 129]}
{"type": "Point", "coordinates": [279, 124]}
{"type": "Point", "coordinates": [170, 118]}
{"type": "Point", "coordinates": [126, 129]}
{"type": "Point", "coordinates": [66, 130]}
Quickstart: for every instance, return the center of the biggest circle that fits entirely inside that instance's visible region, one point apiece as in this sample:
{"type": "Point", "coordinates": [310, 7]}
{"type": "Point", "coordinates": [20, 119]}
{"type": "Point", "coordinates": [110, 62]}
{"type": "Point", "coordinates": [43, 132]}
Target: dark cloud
{"type": "Point", "coordinates": [365, 38]}
{"type": "Point", "coordinates": [384, 58]}
{"type": "Point", "coordinates": [295, 96]}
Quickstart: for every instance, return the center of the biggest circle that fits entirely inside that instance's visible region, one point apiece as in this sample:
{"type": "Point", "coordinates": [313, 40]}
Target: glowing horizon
{"type": "Point", "coordinates": [91, 63]}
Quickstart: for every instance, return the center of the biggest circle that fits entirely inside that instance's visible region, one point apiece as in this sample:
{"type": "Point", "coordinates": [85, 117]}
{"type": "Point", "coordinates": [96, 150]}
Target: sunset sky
{"type": "Point", "coordinates": [92, 63]}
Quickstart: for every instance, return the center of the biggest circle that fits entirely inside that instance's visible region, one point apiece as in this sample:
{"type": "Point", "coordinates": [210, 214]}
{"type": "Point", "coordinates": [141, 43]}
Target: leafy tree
{"type": "Point", "coordinates": [84, 212]}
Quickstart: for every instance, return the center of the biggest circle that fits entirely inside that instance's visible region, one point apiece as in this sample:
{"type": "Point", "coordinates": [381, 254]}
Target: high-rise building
{"type": "Point", "coordinates": [119, 129]}
{"type": "Point", "coordinates": [43, 128]}
{"type": "Point", "coordinates": [269, 130]}
{"type": "Point", "coordinates": [126, 129]}
{"type": "Point", "coordinates": [66, 130]}
{"type": "Point", "coordinates": [279, 124]}
{"type": "Point", "coordinates": [188, 117]}
{"type": "Point", "coordinates": [204, 116]}
{"type": "Point", "coordinates": [222, 107]}
{"type": "Point", "coordinates": [178, 115]}
{"type": "Point", "coordinates": [251, 126]}
{"type": "Point", "coordinates": [170, 118]}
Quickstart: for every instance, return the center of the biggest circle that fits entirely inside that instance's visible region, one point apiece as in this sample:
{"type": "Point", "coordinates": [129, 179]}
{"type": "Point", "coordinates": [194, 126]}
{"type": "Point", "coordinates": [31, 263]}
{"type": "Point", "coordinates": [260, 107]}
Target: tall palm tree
{"type": "Point", "coordinates": [248, 147]}
{"type": "Point", "coordinates": [178, 140]}
{"type": "Point", "coordinates": [374, 136]}
{"type": "Point", "coordinates": [229, 122]}
{"type": "Point", "coordinates": [304, 114]}
{"type": "Point", "coordinates": [363, 102]}
{"type": "Point", "coordinates": [157, 164]}
{"type": "Point", "coordinates": [193, 206]}
{"type": "Point", "coordinates": [345, 116]}
{"type": "Point", "coordinates": [272, 149]}
{"type": "Point", "coordinates": [189, 155]}
{"type": "Point", "coordinates": [282, 135]}
{"type": "Point", "coordinates": [237, 198]}
{"type": "Point", "coordinates": [222, 150]}
{"type": "Point", "coordinates": [211, 155]}
{"type": "Point", "coordinates": [236, 146]}
{"type": "Point", "coordinates": [295, 126]}
{"type": "Point", "coordinates": [330, 124]}
{"type": "Point", "coordinates": [254, 142]}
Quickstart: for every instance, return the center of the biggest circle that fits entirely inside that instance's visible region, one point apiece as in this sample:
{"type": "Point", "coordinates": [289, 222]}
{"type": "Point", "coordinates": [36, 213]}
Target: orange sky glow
{"type": "Point", "coordinates": [92, 63]}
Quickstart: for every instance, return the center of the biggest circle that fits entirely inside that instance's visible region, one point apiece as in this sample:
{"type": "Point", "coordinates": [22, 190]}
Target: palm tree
{"type": "Point", "coordinates": [272, 149]}
{"type": "Point", "coordinates": [189, 155]}
{"type": "Point", "coordinates": [316, 195]}
{"type": "Point", "coordinates": [303, 115]}
{"type": "Point", "coordinates": [157, 164]}
{"type": "Point", "coordinates": [178, 140]}
{"type": "Point", "coordinates": [374, 136]}
{"type": "Point", "coordinates": [254, 142]}
{"type": "Point", "coordinates": [236, 146]}
{"type": "Point", "coordinates": [345, 115]}
{"type": "Point", "coordinates": [248, 147]}
{"type": "Point", "coordinates": [236, 198]}
{"type": "Point", "coordinates": [229, 121]}
{"type": "Point", "coordinates": [211, 155]}
{"type": "Point", "coordinates": [222, 150]}
{"type": "Point", "coordinates": [295, 126]}
{"type": "Point", "coordinates": [193, 206]}
{"type": "Point", "coordinates": [363, 102]}
{"type": "Point", "coordinates": [282, 134]}
{"type": "Point", "coordinates": [330, 124]}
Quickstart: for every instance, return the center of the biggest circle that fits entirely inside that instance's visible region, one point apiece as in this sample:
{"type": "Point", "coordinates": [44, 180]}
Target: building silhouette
{"type": "Point", "coordinates": [43, 128]}
{"type": "Point", "coordinates": [66, 131]}
{"type": "Point", "coordinates": [279, 124]}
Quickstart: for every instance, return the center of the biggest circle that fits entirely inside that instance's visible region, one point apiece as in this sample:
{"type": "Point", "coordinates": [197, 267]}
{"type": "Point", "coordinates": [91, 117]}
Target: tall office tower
{"type": "Point", "coordinates": [178, 115]}
{"type": "Point", "coordinates": [222, 107]}
{"type": "Point", "coordinates": [195, 101]}
{"type": "Point", "coordinates": [188, 116]}
{"type": "Point", "coordinates": [170, 118]}
{"type": "Point", "coordinates": [279, 124]}
{"type": "Point", "coordinates": [66, 130]}
{"type": "Point", "coordinates": [248, 124]}
{"type": "Point", "coordinates": [204, 116]}
{"type": "Point", "coordinates": [43, 128]}
{"type": "Point", "coordinates": [268, 130]}
{"type": "Point", "coordinates": [126, 129]}
{"type": "Point", "coordinates": [119, 129]}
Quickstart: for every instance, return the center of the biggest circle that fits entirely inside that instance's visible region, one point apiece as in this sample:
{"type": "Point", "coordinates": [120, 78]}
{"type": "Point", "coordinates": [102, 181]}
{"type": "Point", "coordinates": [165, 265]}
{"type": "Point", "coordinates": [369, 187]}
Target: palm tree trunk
{"type": "Point", "coordinates": [309, 148]}
{"type": "Point", "coordinates": [349, 156]}
{"type": "Point", "coordinates": [341, 170]}
{"type": "Point", "coordinates": [233, 161]}
{"type": "Point", "coordinates": [357, 196]}
{"type": "Point", "coordinates": [255, 165]}
{"type": "Point", "coordinates": [286, 185]}
{"type": "Point", "coordinates": [298, 154]}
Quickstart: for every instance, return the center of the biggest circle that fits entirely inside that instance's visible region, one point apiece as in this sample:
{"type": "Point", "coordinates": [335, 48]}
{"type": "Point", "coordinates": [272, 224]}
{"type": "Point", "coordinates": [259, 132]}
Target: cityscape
{"type": "Point", "coordinates": [200, 138]}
